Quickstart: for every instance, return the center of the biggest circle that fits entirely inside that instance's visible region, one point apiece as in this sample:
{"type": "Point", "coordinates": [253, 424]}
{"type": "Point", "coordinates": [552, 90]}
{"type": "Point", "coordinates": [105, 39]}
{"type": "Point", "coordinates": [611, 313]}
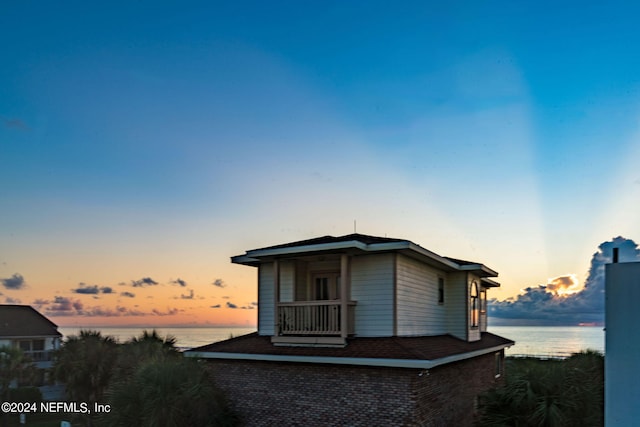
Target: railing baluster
{"type": "Point", "coordinates": [313, 318]}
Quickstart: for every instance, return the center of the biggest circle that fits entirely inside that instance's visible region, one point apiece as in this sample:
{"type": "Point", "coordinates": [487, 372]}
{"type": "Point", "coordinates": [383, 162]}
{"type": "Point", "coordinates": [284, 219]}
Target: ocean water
{"type": "Point", "coordinates": [186, 337]}
{"type": "Point", "coordinates": [551, 340]}
{"type": "Point", "coordinates": [530, 340]}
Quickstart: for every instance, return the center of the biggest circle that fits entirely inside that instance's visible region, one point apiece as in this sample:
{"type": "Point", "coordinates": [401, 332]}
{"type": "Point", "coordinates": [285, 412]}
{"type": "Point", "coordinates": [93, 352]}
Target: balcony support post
{"type": "Point", "coordinates": [276, 297]}
{"type": "Point", "coordinates": [344, 295]}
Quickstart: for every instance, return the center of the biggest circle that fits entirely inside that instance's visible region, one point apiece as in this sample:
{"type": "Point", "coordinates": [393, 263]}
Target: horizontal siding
{"type": "Point", "coordinates": [455, 301]}
{"type": "Point", "coordinates": [265, 299]}
{"type": "Point", "coordinates": [287, 277]}
{"type": "Point", "coordinates": [418, 310]}
{"type": "Point", "coordinates": [372, 288]}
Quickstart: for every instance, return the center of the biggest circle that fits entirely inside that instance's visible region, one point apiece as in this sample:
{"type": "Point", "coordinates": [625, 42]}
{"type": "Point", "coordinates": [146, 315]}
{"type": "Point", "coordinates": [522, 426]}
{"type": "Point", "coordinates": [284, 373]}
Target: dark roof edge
{"type": "Point", "coordinates": [361, 361]}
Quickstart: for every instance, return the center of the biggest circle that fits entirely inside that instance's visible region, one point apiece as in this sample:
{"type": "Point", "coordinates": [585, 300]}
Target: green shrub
{"type": "Point", "coordinates": [548, 393]}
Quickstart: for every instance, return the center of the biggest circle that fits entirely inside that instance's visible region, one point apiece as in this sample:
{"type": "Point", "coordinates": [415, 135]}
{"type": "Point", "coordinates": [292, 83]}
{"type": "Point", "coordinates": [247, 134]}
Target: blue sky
{"type": "Point", "coordinates": [156, 139]}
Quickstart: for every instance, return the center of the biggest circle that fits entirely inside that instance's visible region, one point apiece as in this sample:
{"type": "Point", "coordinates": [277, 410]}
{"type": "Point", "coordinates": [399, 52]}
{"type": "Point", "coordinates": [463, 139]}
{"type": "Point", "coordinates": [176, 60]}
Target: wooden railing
{"type": "Point", "coordinates": [313, 317]}
{"type": "Point", "coordinates": [40, 355]}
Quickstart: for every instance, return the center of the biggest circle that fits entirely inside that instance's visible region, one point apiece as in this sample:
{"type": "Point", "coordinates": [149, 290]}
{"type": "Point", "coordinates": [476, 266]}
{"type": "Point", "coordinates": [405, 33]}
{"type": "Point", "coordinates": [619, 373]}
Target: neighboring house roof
{"type": "Point", "coordinates": [18, 321]}
{"type": "Point", "coordinates": [360, 243]}
{"type": "Point", "coordinates": [418, 352]}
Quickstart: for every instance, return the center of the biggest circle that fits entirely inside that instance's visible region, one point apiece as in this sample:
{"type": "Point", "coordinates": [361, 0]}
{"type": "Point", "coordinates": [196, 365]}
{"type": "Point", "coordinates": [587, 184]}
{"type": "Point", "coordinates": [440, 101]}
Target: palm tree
{"type": "Point", "coordinates": [85, 364]}
{"type": "Point", "coordinates": [149, 346]}
{"type": "Point", "coordinates": [14, 366]}
{"type": "Point", "coordinates": [548, 393]}
{"type": "Point", "coordinates": [168, 392]}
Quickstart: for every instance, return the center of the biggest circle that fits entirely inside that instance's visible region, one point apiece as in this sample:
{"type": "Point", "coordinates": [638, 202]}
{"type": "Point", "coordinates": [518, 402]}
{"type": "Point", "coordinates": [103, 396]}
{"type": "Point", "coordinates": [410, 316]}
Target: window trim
{"type": "Point", "coordinates": [474, 306]}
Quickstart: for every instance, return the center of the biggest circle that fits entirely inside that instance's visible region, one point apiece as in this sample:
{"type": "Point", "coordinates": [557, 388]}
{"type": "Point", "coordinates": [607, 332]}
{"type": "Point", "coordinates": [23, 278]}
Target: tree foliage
{"type": "Point", "coordinates": [85, 363]}
{"type": "Point", "coordinates": [170, 392]}
{"type": "Point", "coordinates": [146, 380]}
{"type": "Point", "coordinates": [14, 366]}
{"type": "Point", "coordinates": [548, 393]}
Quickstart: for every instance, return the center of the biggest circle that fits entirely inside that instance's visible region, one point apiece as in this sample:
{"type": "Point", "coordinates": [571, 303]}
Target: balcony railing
{"type": "Point", "coordinates": [40, 355]}
{"type": "Point", "coordinates": [314, 318]}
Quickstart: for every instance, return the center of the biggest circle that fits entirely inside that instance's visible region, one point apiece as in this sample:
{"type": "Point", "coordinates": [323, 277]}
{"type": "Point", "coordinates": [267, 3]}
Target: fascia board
{"type": "Point", "coordinates": [489, 283]}
{"type": "Point", "coordinates": [257, 253]}
{"type": "Point", "coordinates": [361, 361]}
{"type": "Point", "coordinates": [479, 267]}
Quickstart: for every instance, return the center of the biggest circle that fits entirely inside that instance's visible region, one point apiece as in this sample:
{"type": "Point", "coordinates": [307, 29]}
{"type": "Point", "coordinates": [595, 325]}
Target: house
{"type": "Point", "coordinates": [23, 327]}
{"type": "Point", "coordinates": [622, 380]}
{"type": "Point", "coordinates": [361, 330]}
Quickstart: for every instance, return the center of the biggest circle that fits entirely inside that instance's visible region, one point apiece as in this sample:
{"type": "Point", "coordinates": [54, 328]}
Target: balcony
{"type": "Point", "coordinates": [40, 355]}
{"type": "Point", "coordinates": [314, 322]}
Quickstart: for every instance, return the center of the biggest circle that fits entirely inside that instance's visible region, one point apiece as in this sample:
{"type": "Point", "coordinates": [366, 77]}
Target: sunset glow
{"type": "Point", "coordinates": [143, 144]}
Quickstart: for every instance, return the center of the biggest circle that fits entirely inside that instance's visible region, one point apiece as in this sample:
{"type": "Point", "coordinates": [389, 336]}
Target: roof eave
{"type": "Point", "coordinates": [253, 257]}
{"type": "Point", "coordinates": [362, 361]}
{"type": "Point", "coordinates": [488, 283]}
{"type": "Point", "coordinates": [481, 269]}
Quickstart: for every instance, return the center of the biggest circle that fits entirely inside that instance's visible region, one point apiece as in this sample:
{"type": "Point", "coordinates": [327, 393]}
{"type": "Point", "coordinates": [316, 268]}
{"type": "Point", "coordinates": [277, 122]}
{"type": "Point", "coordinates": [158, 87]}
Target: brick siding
{"type": "Point", "coordinates": [304, 394]}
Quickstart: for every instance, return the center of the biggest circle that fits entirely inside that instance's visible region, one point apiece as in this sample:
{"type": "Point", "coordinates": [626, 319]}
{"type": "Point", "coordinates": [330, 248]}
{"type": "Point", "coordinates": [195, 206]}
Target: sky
{"type": "Point", "coordinates": [144, 143]}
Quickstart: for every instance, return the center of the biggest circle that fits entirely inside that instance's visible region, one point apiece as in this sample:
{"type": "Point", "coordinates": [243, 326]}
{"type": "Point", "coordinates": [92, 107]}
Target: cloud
{"type": "Point", "coordinates": [85, 289]}
{"type": "Point", "coordinates": [128, 294]}
{"type": "Point", "coordinates": [40, 302]}
{"type": "Point", "coordinates": [14, 282]}
{"type": "Point", "coordinates": [215, 306]}
{"type": "Point", "coordinates": [247, 307]}
{"type": "Point", "coordinates": [143, 282]}
{"type": "Point", "coordinates": [563, 285]}
{"type": "Point", "coordinates": [219, 283]}
{"type": "Point", "coordinates": [254, 304]}
{"type": "Point", "coordinates": [190, 296]}
{"type": "Point", "coordinates": [179, 281]}
{"type": "Point", "coordinates": [63, 306]}
{"type": "Point", "coordinates": [169, 312]}
{"type": "Point", "coordinates": [107, 312]}
{"type": "Point", "coordinates": [9, 300]}
{"type": "Point", "coordinates": [14, 123]}
{"type": "Point", "coordinates": [559, 301]}
{"type": "Point", "coordinates": [231, 305]}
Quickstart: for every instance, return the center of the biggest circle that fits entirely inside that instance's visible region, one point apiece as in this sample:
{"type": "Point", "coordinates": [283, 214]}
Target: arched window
{"type": "Point", "coordinates": [473, 297]}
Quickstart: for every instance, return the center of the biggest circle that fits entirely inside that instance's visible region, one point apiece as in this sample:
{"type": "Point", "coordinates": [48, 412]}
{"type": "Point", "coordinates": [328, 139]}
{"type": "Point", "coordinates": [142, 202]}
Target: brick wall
{"type": "Point", "coordinates": [300, 394]}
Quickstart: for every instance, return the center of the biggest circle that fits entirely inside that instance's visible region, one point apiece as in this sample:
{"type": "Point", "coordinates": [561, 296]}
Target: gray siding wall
{"type": "Point", "coordinates": [455, 301]}
{"type": "Point", "coordinates": [265, 299]}
{"type": "Point", "coordinates": [287, 277]}
{"type": "Point", "coordinates": [418, 310]}
{"type": "Point", "coordinates": [372, 278]}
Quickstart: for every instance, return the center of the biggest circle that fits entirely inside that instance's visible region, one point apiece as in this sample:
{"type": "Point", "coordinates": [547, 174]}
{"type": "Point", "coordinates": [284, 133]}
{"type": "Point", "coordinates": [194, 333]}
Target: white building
{"type": "Point", "coordinates": [21, 326]}
{"type": "Point", "coordinates": [361, 330]}
{"type": "Point", "coordinates": [622, 346]}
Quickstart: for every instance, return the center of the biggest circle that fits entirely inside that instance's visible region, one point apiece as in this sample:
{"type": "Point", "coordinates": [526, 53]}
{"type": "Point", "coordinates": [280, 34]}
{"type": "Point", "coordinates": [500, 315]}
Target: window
{"type": "Point", "coordinates": [473, 296]}
{"type": "Point", "coordinates": [440, 290]}
{"type": "Point", "coordinates": [326, 286]}
{"type": "Point", "coordinates": [38, 345]}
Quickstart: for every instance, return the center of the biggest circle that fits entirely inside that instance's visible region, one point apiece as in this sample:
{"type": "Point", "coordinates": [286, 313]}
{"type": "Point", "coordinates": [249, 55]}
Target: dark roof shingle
{"type": "Point", "coordinates": [367, 240]}
{"type": "Point", "coordinates": [25, 321]}
{"type": "Point", "coordinates": [421, 348]}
